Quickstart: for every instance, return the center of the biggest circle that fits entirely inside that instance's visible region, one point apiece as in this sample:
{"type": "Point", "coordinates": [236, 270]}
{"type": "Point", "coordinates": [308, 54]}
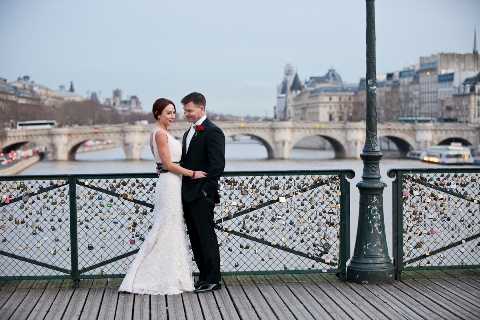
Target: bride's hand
{"type": "Point", "coordinates": [200, 174]}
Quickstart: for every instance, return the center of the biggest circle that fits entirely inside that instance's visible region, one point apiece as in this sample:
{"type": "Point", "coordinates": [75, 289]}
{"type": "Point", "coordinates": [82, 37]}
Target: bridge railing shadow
{"type": "Point", "coordinates": [436, 218]}
{"type": "Point", "coordinates": [91, 226]}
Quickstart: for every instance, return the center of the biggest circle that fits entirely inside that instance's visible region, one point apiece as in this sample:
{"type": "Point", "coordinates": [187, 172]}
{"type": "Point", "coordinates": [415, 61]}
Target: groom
{"type": "Point", "coordinates": [203, 150]}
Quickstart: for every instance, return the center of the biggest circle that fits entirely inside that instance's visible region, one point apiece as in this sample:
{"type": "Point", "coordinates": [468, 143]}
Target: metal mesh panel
{"type": "Point", "coordinates": [34, 224]}
{"type": "Point", "coordinates": [441, 219]}
{"type": "Point", "coordinates": [272, 223]}
{"type": "Point", "coordinates": [113, 217]}
{"type": "Point", "coordinates": [263, 223]}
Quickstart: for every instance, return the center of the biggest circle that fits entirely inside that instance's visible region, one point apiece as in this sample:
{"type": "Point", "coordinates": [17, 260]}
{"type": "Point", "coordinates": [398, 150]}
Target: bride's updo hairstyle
{"type": "Point", "coordinates": [159, 105]}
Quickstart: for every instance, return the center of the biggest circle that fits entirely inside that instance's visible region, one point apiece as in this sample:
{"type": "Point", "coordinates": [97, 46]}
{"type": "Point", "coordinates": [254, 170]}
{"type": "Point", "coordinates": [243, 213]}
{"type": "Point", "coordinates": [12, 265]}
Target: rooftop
{"type": "Point", "coordinates": [332, 77]}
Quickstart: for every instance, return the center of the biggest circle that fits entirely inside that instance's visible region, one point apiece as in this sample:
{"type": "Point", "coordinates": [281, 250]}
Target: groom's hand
{"type": "Point", "coordinates": [200, 174]}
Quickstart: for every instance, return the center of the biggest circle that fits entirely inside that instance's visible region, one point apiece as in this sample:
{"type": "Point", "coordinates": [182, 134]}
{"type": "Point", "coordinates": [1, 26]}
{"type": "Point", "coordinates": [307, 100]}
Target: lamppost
{"type": "Point", "coordinates": [370, 262]}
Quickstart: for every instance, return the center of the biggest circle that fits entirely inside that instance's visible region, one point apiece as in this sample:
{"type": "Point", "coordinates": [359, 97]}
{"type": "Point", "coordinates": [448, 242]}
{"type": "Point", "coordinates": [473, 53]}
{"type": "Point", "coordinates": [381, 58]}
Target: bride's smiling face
{"type": "Point", "coordinates": [167, 117]}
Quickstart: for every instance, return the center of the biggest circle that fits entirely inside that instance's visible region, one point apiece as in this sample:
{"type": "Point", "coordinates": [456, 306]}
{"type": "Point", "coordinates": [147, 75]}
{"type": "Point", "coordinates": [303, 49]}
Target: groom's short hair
{"type": "Point", "coordinates": [196, 98]}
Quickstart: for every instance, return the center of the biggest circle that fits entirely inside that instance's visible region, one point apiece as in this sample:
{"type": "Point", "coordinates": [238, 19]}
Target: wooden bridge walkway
{"type": "Point", "coordinates": [420, 295]}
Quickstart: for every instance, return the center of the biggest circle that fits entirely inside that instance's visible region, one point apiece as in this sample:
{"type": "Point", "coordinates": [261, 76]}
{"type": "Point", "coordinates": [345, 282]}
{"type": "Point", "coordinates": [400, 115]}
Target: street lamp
{"type": "Point", "coordinates": [370, 262]}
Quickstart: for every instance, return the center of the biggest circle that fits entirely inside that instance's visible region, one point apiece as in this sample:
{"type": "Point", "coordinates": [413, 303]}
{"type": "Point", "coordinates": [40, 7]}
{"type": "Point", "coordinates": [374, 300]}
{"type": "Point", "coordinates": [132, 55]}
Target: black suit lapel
{"type": "Point", "coordinates": [197, 135]}
{"type": "Point", "coordinates": [194, 138]}
{"type": "Point", "coordinates": [184, 141]}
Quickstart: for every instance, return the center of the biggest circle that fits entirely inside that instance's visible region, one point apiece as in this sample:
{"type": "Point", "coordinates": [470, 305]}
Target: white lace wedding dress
{"type": "Point", "coordinates": [163, 263]}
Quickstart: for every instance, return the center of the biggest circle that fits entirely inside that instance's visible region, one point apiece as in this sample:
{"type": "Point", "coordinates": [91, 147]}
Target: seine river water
{"type": "Point", "coordinates": [245, 156]}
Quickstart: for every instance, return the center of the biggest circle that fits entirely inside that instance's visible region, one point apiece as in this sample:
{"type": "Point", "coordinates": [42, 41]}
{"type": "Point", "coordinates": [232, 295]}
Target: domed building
{"type": "Point", "coordinates": [320, 98]}
{"type": "Point", "coordinates": [331, 79]}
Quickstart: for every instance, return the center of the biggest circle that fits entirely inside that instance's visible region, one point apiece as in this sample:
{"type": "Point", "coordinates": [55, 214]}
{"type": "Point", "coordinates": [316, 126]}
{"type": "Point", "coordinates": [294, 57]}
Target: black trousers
{"type": "Point", "coordinates": [199, 220]}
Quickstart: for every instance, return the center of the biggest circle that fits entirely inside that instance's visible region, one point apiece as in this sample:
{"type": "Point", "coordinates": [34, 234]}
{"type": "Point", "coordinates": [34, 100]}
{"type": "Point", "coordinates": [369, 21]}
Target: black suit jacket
{"type": "Point", "coordinates": [206, 153]}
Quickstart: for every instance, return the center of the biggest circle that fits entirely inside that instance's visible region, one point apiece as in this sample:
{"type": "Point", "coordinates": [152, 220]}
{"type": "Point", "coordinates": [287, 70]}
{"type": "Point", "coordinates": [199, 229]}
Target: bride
{"type": "Point", "coordinates": [163, 263]}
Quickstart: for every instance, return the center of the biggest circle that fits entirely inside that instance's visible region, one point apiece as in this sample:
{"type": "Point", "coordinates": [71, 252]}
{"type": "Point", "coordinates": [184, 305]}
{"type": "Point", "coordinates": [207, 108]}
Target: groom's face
{"type": "Point", "coordinates": [193, 111]}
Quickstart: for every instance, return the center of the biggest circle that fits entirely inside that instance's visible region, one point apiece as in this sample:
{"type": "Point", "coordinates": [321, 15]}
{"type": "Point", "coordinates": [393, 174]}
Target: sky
{"type": "Point", "coordinates": [233, 52]}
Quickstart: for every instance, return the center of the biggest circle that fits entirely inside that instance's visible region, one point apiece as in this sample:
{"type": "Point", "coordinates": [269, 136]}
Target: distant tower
{"type": "Point", "coordinates": [135, 104]}
{"type": "Point", "coordinates": [72, 89]}
{"type": "Point", "coordinates": [117, 97]}
{"type": "Point", "coordinates": [94, 97]}
{"type": "Point", "coordinates": [288, 88]}
{"type": "Point", "coordinates": [475, 50]}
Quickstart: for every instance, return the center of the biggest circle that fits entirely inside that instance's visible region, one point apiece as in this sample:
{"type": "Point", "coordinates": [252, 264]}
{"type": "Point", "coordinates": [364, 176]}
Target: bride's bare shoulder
{"type": "Point", "coordinates": [161, 135]}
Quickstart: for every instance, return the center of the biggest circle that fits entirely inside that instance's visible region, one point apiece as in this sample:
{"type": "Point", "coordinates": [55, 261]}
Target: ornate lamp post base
{"type": "Point", "coordinates": [370, 262]}
{"type": "Point", "coordinates": [382, 273]}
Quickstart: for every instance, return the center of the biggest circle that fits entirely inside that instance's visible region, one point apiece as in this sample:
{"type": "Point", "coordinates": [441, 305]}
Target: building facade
{"type": "Point", "coordinates": [130, 105]}
{"type": "Point", "coordinates": [26, 91]}
{"type": "Point", "coordinates": [438, 88]}
{"type": "Point", "coordinates": [463, 106]}
{"type": "Point", "coordinates": [431, 90]}
{"type": "Point", "coordinates": [320, 98]}
{"type": "Point", "coordinates": [440, 76]}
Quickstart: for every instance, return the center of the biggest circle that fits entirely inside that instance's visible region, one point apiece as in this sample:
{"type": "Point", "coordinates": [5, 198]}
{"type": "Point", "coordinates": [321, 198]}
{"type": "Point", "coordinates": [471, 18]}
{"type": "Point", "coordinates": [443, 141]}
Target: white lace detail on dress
{"type": "Point", "coordinates": [163, 264]}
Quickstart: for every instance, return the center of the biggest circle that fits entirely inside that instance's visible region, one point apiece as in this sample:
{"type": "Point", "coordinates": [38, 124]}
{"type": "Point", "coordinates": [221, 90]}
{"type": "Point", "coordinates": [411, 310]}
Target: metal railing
{"type": "Point", "coordinates": [90, 226]}
{"type": "Point", "coordinates": [436, 218]}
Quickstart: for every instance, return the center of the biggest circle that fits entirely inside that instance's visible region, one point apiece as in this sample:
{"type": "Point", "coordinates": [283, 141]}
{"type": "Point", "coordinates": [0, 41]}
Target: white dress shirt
{"type": "Point", "coordinates": [191, 132]}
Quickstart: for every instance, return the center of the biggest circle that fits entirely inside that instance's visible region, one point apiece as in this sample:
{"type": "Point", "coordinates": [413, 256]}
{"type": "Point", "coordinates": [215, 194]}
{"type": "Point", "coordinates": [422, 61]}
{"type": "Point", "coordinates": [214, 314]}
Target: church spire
{"type": "Point", "coordinates": [476, 56]}
{"type": "Point", "coordinates": [475, 51]}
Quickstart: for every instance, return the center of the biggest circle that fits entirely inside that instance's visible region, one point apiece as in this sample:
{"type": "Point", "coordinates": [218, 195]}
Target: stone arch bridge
{"type": "Point", "coordinates": [279, 138]}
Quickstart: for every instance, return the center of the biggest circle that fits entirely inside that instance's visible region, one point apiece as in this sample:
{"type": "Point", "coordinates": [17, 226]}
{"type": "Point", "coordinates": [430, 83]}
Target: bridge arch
{"type": "Point", "coordinates": [404, 144]}
{"type": "Point", "coordinates": [72, 151]}
{"type": "Point", "coordinates": [337, 146]}
{"type": "Point", "coordinates": [13, 146]}
{"type": "Point", "coordinates": [268, 146]}
{"type": "Point", "coordinates": [73, 147]}
{"type": "Point", "coordinates": [449, 140]}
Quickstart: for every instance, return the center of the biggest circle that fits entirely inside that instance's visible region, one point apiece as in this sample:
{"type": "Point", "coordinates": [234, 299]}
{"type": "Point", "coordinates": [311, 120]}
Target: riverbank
{"type": "Point", "coordinates": [19, 166]}
{"type": "Point", "coordinates": [24, 164]}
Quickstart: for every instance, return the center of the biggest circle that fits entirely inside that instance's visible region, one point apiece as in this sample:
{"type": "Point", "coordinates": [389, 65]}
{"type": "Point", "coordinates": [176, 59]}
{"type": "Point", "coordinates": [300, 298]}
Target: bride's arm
{"type": "Point", "coordinates": [161, 139]}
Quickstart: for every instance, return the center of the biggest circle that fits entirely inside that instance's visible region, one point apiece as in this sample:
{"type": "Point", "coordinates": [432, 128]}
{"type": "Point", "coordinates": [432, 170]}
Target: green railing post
{"type": "Point", "coordinates": [397, 221]}
{"type": "Point", "coordinates": [344, 226]}
{"type": "Point", "coordinates": [72, 190]}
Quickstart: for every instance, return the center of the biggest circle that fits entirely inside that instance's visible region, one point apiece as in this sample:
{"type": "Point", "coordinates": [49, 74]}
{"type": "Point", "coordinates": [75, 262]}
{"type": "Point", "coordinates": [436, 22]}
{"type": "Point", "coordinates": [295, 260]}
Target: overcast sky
{"type": "Point", "coordinates": [232, 51]}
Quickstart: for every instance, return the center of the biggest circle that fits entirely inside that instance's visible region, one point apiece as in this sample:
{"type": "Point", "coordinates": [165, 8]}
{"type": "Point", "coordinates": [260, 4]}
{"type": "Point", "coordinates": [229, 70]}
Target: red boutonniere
{"type": "Point", "coordinates": [199, 128]}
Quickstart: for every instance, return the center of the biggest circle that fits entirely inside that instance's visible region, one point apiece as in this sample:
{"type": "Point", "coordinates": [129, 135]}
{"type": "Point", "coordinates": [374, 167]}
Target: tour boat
{"type": "Point", "coordinates": [454, 153]}
{"type": "Point", "coordinates": [415, 154]}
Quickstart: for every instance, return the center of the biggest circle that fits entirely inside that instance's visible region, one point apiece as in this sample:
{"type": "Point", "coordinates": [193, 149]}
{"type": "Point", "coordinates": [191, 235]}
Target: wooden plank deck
{"type": "Point", "coordinates": [420, 295]}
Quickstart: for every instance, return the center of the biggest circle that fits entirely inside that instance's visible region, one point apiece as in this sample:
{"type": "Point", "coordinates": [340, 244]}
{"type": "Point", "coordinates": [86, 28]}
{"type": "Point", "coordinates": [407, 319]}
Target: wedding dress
{"type": "Point", "coordinates": [163, 263]}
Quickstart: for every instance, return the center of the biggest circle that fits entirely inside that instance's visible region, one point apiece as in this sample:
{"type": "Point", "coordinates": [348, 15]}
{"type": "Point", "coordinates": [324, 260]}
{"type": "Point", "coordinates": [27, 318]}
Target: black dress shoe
{"type": "Point", "coordinates": [208, 287]}
{"type": "Point", "coordinates": [199, 283]}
